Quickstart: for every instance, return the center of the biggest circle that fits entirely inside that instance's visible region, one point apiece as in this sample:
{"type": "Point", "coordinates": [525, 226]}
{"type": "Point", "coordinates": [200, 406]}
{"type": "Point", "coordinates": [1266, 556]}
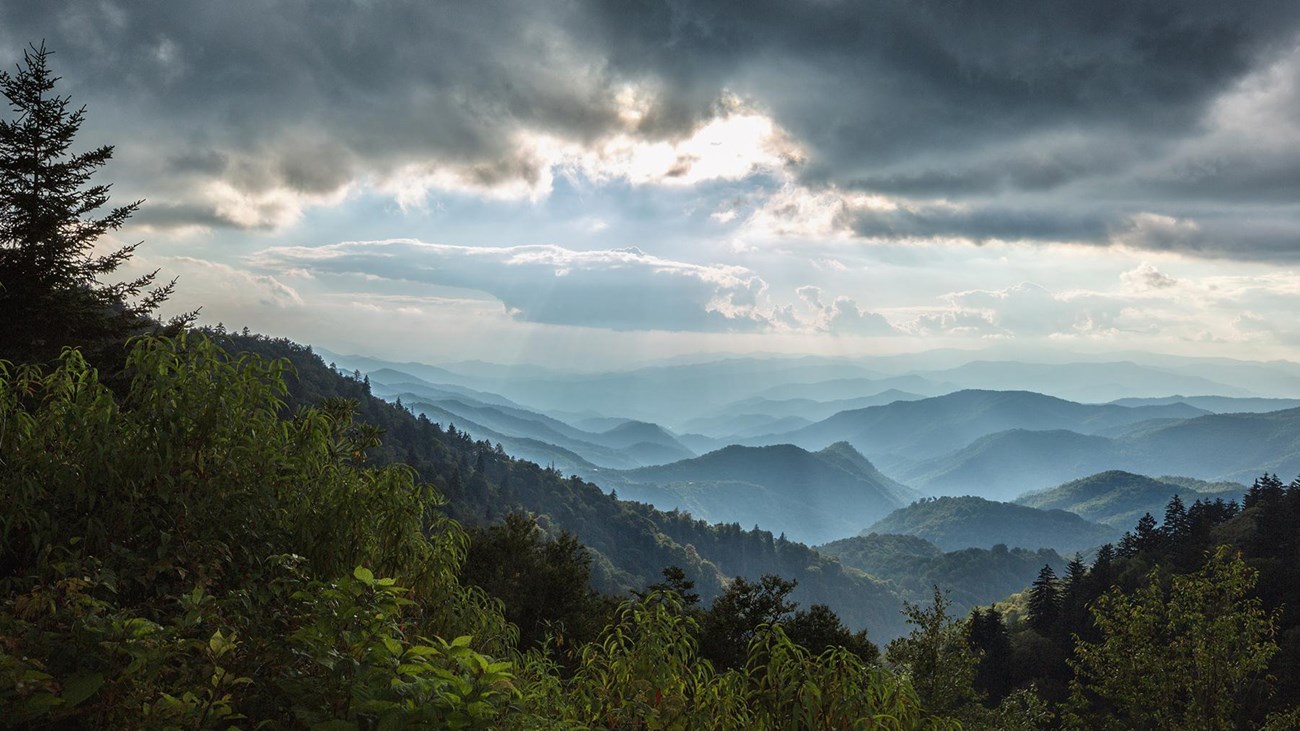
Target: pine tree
{"type": "Point", "coordinates": [1044, 600]}
{"type": "Point", "coordinates": [51, 291]}
{"type": "Point", "coordinates": [1176, 524]}
{"type": "Point", "coordinates": [988, 635]}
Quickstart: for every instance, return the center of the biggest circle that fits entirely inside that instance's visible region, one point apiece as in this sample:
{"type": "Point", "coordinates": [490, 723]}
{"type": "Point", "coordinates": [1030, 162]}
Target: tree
{"type": "Point", "coordinates": [1044, 600]}
{"type": "Point", "coordinates": [51, 287]}
{"type": "Point", "coordinates": [730, 624]}
{"type": "Point", "coordinates": [937, 656]}
{"type": "Point", "coordinates": [818, 629]}
{"type": "Point", "coordinates": [544, 585]}
{"type": "Point", "coordinates": [988, 636]}
{"type": "Point", "coordinates": [675, 581]}
{"type": "Point", "coordinates": [1176, 660]}
{"type": "Point", "coordinates": [1175, 525]}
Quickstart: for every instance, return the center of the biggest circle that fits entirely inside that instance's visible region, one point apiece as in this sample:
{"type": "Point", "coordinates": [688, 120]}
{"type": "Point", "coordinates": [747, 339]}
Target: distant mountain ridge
{"type": "Point", "coordinates": [1217, 404]}
{"type": "Point", "coordinates": [931, 427]}
{"type": "Point", "coordinates": [1232, 447]}
{"type": "Point", "coordinates": [809, 496]}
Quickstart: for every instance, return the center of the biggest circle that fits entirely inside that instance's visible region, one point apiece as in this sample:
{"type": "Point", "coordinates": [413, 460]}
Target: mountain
{"type": "Point", "coordinates": [1088, 382]}
{"type": "Point", "coordinates": [630, 543]}
{"type": "Point", "coordinates": [971, 577]}
{"type": "Point", "coordinates": [1004, 465]}
{"type": "Point", "coordinates": [1118, 498]}
{"type": "Point", "coordinates": [851, 388]}
{"type": "Point", "coordinates": [954, 523]}
{"type": "Point", "coordinates": [663, 393]}
{"type": "Point", "coordinates": [809, 496]}
{"type": "Point", "coordinates": [624, 446]}
{"type": "Point", "coordinates": [1219, 447]}
{"type": "Point", "coordinates": [743, 425]}
{"type": "Point", "coordinates": [1217, 404]}
{"type": "Point", "coordinates": [542, 453]}
{"type": "Point", "coordinates": [931, 427]}
{"type": "Point", "coordinates": [804, 408]}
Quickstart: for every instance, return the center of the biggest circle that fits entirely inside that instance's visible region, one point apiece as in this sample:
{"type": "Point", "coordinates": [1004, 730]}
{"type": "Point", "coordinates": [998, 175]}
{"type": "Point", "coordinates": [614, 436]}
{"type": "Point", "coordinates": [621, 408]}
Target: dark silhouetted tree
{"type": "Point", "coordinates": [729, 624]}
{"type": "Point", "coordinates": [52, 291]}
{"type": "Point", "coordinates": [988, 636]}
{"type": "Point", "coordinates": [818, 629]}
{"type": "Point", "coordinates": [675, 581]}
{"type": "Point", "coordinates": [1044, 600]}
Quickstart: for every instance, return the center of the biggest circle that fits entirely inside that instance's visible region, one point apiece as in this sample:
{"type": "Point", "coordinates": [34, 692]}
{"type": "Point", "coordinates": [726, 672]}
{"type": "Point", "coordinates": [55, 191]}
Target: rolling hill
{"type": "Point", "coordinates": [1118, 498]}
{"type": "Point", "coordinates": [953, 523]}
{"type": "Point", "coordinates": [971, 576]}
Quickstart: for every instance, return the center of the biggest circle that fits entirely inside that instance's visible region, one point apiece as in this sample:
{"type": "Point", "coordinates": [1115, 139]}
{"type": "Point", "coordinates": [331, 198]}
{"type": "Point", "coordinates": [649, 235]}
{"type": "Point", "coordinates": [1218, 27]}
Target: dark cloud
{"type": "Point", "coordinates": [1105, 104]}
{"type": "Point", "coordinates": [872, 83]}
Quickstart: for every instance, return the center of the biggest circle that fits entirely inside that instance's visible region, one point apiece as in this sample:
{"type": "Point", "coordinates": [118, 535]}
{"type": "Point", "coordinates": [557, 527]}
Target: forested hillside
{"type": "Point", "coordinates": [194, 552]}
{"type": "Point", "coordinates": [971, 577]}
{"type": "Point", "coordinates": [631, 543]}
{"type": "Point", "coordinates": [1119, 498]}
{"type": "Point", "coordinates": [953, 523]}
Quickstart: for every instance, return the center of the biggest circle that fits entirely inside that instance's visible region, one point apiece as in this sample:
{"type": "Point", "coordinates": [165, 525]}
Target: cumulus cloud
{"type": "Point", "coordinates": [840, 316]}
{"type": "Point", "coordinates": [1146, 277]}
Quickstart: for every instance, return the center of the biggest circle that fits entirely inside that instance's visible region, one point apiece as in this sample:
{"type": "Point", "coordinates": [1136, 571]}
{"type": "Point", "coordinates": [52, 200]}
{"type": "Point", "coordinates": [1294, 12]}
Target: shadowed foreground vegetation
{"type": "Point", "coordinates": [186, 553]}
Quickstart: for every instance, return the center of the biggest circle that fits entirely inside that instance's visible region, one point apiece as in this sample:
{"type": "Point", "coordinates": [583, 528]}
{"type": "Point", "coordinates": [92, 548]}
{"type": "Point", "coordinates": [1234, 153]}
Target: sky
{"type": "Point", "coordinates": [595, 184]}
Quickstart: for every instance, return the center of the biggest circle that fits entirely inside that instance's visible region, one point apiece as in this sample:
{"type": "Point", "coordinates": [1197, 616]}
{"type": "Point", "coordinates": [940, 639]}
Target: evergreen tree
{"type": "Point", "coordinates": [1144, 537]}
{"type": "Point", "coordinates": [51, 289]}
{"type": "Point", "coordinates": [1266, 490]}
{"type": "Point", "coordinates": [675, 581]}
{"type": "Point", "coordinates": [1073, 615]}
{"type": "Point", "coordinates": [1044, 600]}
{"type": "Point", "coordinates": [1176, 524]}
{"type": "Point", "coordinates": [988, 635]}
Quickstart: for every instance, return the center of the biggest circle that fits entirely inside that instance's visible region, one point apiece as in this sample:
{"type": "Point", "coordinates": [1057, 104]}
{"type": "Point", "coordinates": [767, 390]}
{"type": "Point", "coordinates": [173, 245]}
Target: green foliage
{"type": "Point", "coordinates": [970, 577]}
{"type": "Point", "coordinates": [937, 656]}
{"type": "Point", "coordinates": [189, 553]}
{"type": "Point", "coordinates": [1175, 659]}
{"type": "Point", "coordinates": [644, 673]}
{"type": "Point", "coordinates": [544, 585]}
{"type": "Point", "coordinates": [164, 547]}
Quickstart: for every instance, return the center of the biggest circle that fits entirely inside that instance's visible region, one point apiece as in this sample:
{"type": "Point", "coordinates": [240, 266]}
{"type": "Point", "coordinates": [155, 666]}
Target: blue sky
{"type": "Point", "coordinates": [592, 184]}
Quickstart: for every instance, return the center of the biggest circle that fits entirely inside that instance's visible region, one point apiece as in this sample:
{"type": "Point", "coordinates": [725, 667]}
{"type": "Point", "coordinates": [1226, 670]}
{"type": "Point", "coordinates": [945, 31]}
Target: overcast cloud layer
{"type": "Point", "coordinates": [714, 167]}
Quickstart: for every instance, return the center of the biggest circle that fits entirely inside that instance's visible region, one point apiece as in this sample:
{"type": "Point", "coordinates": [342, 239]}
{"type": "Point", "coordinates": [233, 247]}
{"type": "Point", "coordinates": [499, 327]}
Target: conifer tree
{"type": "Point", "coordinates": [1175, 524]}
{"type": "Point", "coordinates": [1044, 600]}
{"type": "Point", "coordinates": [51, 288]}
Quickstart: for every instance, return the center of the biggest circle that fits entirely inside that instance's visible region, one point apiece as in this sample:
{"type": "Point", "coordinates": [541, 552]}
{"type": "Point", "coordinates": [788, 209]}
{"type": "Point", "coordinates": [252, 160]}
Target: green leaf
{"type": "Point", "coordinates": [361, 573]}
{"type": "Point", "coordinates": [334, 724]}
{"type": "Point", "coordinates": [81, 687]}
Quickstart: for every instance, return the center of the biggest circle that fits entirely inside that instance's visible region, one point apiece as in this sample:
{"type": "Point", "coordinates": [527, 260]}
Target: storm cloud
{"type": "Point", "coordinates": [1038, 122]}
